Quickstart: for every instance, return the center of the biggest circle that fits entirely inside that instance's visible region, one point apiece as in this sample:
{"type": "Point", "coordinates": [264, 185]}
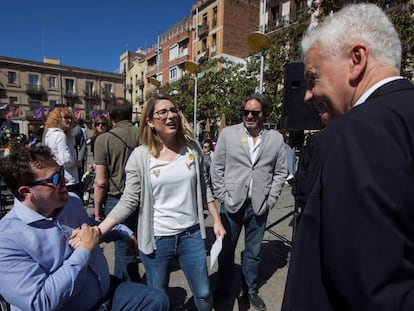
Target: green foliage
{"type": "Point", "coordinates": [221, 87]}
{"type": "Point", "coordinates": [404, 24]}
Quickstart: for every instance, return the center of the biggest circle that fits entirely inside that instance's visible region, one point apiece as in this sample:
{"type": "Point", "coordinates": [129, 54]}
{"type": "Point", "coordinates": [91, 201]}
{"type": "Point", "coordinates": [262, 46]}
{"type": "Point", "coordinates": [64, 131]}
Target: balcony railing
{"type": "Point", "coordinates": [70, 94]}
{"type": "Point", "coordinates": [90, 95]}
{"type": "Point", "coordinates": [139, 99]}
{"type": "Point", "coordinates": [140, 83]}
{"type": "Point", "coordinates": [107, 95]}
{"type": "Point", "coordinates": [203, 30]}
{"type": "Point", "coordinates": [129, 87]}
{"type": "Point", "coordinates": [34, 89]}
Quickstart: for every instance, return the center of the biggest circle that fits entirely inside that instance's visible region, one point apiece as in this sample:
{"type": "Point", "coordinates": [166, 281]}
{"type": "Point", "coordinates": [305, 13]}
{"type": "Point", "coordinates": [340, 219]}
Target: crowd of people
{"type": "Point", "coordinates": [353, 246]}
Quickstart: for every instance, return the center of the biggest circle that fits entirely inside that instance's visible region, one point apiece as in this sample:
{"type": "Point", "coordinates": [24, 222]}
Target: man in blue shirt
{"type": "Point", "coordinates": [41, 267]}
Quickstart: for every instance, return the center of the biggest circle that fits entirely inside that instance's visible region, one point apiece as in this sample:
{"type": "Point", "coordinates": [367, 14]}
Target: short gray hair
{"type": "Point", "coordinates": [357, 23]}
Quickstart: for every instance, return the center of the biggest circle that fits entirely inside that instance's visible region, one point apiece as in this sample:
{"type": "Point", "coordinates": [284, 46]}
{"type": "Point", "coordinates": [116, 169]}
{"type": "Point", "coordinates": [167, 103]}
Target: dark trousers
{"type": "Point", "coordinates": [254, 226]}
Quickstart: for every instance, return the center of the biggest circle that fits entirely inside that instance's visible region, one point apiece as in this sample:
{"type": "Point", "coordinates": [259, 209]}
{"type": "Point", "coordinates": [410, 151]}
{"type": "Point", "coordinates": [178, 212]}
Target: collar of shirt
{"type": "Point", "coordinates": [253, 146]}
{"type": "Point", "coordinates": [372, 89]}
{"type": "Point", "coordinates": [26, 214]}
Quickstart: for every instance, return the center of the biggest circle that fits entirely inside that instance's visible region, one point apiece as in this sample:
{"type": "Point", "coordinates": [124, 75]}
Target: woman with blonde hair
{"type": "Point", "coordinates": [59, 139]}
{"type": "Point", "coordinates": [166, 181]}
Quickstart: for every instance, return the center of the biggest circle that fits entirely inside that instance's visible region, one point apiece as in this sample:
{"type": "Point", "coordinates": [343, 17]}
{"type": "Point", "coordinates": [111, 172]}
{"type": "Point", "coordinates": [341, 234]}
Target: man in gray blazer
{"type": "Point", "coordinates": [248, 172]}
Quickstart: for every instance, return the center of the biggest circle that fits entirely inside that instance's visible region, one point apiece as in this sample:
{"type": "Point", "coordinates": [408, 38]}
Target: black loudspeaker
{"type": "Point", "coordinates": [297, 115]}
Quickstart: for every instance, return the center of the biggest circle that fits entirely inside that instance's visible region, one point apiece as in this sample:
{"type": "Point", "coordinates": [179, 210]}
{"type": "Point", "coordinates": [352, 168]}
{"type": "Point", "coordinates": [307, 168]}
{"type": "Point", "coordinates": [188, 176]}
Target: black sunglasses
{"type": "Point", "coordinates": [54, 179]}
{"type": "Point", "coordinates": [253, 112]}
{"type": "Point", "coordinates": [100, 123]}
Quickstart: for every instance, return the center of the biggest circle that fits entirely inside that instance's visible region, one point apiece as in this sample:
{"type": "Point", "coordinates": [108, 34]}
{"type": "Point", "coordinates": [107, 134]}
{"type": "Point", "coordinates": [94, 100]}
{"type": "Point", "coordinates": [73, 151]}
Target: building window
{"type": "Point", "coordinates": [88, 88]}
{"type": "Point", "coordinates": [12, 77]}
{"type": "Point", "coordinates": [108, 88]}
{"type": "Point", "coordinates": [52, 104]}
{"type": "Point", "coordinates": [204, 45]}
{"type": "Point", "coordinates": [174, 52]}
{"type": "Point", "coordinates": [213, 45]}
{"type": "Point", "coordinates": [52, 82]}
{"type": "Point", "coordinates": [173, 74]}
{"type": "Point", "coordinates": [12, 100]}
{"type": "Point", "coordinates": [33, 79]}
{"type": "Point", "coordinates": [70, 86]}
{"type": "Point", "coordinates": [214, 17]}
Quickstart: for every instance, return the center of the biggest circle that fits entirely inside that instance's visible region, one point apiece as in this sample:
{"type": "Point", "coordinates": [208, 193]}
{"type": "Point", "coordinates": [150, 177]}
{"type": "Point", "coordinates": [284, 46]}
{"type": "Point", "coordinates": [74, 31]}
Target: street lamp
{"type": "Point", "coordinates": [193, 68]}
{"type": "Point", "coordinates": [154, 82]}
{"type": "Point", "coordinates": [259, 42]}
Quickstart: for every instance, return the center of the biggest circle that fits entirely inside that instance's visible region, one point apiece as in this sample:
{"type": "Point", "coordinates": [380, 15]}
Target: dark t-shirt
{"type": "Point", "coordinates": [111, 151]}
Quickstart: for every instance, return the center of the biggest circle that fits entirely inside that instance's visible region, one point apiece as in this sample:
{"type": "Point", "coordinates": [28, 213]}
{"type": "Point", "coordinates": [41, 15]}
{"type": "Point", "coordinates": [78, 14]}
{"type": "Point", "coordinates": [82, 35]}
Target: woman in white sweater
{"type": "Point", "coordinates": [58, 138]}
{"type": "Point", "coordinates": [166, 182]}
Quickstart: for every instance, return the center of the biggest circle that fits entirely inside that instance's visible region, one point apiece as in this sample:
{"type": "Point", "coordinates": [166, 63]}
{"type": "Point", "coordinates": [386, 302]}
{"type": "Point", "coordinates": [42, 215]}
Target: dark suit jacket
{"type": "Point", "coordinates": [308, 169]}
{"type": "Point", "coordinates": [354, 247]}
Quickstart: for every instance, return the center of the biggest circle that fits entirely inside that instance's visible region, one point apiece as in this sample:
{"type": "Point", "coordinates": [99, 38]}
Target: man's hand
{"type": "Point", "coordinates": [219, 230]}
{"type": "Point", "coordinates": [87, 237]}
{"type": "Point", "coordinates": [132, 245]}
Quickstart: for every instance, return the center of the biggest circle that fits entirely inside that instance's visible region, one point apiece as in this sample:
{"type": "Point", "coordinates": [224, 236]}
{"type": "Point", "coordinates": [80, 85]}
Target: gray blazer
{"type": "Point", "coordinates": [232, 169]}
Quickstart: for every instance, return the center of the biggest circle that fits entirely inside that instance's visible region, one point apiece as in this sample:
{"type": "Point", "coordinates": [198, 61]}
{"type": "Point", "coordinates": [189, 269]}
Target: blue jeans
{"type": "Point", "coordinates": [133, 296]}
{"type": "Point", "coordinates": [189, 249]}
{"type": "Point", "coordinates": [254, 227]}
{"type": "Point", "coordinates": [126, 266]}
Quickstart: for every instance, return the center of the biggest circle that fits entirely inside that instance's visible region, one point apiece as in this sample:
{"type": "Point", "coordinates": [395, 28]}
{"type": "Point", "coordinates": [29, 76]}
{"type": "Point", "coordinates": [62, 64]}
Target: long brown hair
{"type": "Point", "coordinates": [54, 119]}
{"type": "Point", "coordinates": [150, 138]}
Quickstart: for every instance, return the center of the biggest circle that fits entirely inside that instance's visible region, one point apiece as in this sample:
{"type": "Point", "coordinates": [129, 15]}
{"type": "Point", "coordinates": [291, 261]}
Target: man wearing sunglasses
{"type": "Point", "coordinates": [41, 267]}
{"type": "Point", "coordinates": [248, 172]}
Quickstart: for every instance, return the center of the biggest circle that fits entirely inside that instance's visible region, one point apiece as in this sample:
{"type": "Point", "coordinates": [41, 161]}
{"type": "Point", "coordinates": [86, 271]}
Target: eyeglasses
{"type": "Point", "coordinates": [54, 179]}
{"type": "Point", "coordinates": [101, 123]}
{"type": "Point", "coordinates": [67, 118]}
{"type": "Point", "coordinates": [163, 113]}
{"type": "Point", "coordinates": [254, 113]}
{"type": "Point", "coordinates": [206, 146]}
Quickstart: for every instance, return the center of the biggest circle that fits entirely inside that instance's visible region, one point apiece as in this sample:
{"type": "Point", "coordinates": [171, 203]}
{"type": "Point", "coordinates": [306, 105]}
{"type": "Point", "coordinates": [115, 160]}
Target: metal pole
{"type": "Point", "coordinates": [195, 103]}
{"type": "Point", "coordinates": [262, 53]}
{"type": "Point", "coordinates": [195, 79]}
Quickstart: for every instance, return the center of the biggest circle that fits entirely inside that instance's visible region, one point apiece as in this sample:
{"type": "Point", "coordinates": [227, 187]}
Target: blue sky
{"type": "Point", "coordinates": [90, 34]}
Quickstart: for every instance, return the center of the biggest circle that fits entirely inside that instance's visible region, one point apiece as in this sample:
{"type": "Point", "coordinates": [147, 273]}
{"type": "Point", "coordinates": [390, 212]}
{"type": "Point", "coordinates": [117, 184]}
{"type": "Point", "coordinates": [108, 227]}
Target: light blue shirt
{"type": "Point", "coordinates": [38, 268]}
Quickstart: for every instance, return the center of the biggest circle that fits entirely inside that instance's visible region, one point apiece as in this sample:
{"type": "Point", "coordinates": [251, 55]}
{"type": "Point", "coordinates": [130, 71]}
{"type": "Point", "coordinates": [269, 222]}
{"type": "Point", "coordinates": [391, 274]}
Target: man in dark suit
{"type": "Point", "coordinates": [354, 247]}
{"type": "Point", "coordinates": [247, 172]}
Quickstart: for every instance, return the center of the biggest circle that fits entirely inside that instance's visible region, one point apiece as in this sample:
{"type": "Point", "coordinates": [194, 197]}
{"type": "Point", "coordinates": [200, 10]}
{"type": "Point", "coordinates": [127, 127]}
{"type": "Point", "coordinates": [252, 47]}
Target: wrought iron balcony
{"type": "Point", "coordinates": [90, 95]}
{"type": "Point", "coordinates": [34, 89]}
{"type": "Point", "coordinates": [203, 30]}
{"type": "Point", "coordinates": [70, 94]}
{"type": "Point", "coordinates": [140, 83]}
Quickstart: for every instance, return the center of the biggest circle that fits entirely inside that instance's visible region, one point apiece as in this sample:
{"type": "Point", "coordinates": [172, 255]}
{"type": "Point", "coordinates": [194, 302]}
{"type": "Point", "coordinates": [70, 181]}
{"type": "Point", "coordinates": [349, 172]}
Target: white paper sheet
{"type": "Point", "coordinates": [215, 251]}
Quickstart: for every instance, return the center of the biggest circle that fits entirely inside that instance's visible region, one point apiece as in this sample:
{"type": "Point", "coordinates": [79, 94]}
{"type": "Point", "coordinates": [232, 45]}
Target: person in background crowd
{"type": "Point", "coordinates": [78, 132]}
{"type": "Point", "coordinates": [308, 168]}
{"type": "Point", "coordinates": [101, 126]}
{"type": "Point", "coordinates": [166, 183]}
{"type": "Point", "coordinates": [59, 139]}
{"type": "Point", "coordinates": [208, 154]}
{"type": "Point", "coordinates": [290, 160]}
{"type": "Point", "coordinates": [355, 241]}
{"type": "Point", "coordinates": [111, 151]}
{"type": "Point", "coordinates": [41, 267]}
{"type": "Point", "coordinates": [247, 172]}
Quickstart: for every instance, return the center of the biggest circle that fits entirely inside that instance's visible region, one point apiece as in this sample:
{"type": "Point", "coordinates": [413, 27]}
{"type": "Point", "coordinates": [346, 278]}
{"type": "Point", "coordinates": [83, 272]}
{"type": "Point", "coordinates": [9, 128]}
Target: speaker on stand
{"type": "Point", "coordinates": [297, 116]}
